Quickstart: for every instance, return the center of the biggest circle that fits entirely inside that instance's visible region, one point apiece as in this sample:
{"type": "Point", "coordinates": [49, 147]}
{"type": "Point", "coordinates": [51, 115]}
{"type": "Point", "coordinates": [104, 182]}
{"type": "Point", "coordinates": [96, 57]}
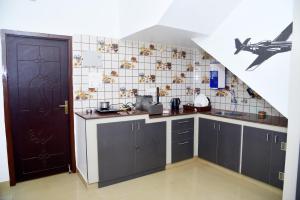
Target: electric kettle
{"type": "Point", "coordinates": [174, 104]}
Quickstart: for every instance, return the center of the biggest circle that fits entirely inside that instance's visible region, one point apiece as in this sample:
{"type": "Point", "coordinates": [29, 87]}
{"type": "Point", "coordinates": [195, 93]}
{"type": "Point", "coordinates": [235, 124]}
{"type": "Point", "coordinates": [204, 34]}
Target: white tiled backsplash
{"type": "Point", "coordinates": [132, 67]}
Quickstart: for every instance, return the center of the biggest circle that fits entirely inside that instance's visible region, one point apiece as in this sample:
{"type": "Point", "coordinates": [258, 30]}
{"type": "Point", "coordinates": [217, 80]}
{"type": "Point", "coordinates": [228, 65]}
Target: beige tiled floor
{"type": "Point", "coordinates": [194, 179]}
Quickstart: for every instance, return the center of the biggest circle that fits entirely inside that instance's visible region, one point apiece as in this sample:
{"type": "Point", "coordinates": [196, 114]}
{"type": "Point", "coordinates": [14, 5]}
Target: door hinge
{"type": "Point", "coordinates": [283, 146]}
{"type": "Point", "coordinates": [281, 176]}
{"type": "Point", "coordinates": [69, 167]}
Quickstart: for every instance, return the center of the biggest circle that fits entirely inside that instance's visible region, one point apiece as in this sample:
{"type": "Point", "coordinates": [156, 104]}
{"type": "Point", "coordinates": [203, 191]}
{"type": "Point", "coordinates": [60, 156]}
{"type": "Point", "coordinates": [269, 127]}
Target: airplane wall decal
{"type": "Point", "coordinates": [266, 49]}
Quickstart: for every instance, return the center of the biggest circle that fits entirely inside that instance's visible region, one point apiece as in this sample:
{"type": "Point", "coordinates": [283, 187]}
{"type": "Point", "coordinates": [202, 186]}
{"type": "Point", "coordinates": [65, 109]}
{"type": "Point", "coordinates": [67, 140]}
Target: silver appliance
{"type": "Point", "coordinates": [145, 103]}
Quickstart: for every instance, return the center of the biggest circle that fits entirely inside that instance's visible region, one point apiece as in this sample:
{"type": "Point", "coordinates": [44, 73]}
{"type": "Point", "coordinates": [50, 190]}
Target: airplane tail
{"type": "Point", "coordinates": [239, 46]}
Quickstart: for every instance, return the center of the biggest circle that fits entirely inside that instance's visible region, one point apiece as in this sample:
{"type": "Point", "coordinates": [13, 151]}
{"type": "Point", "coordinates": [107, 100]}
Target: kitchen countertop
{"type": "Point", "coordinates": [97, 115]}
{"type": "Point", "coordinates": [270, 120]}
{"type": "Point", "coordinates": [250, 117]}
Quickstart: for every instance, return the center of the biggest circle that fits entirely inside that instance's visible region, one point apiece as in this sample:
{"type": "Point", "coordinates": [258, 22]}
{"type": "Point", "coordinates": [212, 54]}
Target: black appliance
{"type": "Point", "coordinates": [107, 110]}
{"type": "Point", "coordinates": [174, 104]}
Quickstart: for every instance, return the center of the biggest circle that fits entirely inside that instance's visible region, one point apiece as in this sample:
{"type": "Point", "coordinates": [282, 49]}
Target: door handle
{"type": "Point", "coordinates": [65, 106]}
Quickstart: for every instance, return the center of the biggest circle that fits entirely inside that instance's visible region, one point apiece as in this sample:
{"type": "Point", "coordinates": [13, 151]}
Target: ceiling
{"type": "Point", "coordinates": [175, 22]}
{"type": "Point", "coordinates": [165, 35]}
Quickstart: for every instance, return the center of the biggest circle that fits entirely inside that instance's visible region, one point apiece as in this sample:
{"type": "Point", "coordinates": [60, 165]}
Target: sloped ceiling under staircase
{"type": "Point", "coordinates": [214, 25]}
{"type": "Point", "coordinates": [176, 21]}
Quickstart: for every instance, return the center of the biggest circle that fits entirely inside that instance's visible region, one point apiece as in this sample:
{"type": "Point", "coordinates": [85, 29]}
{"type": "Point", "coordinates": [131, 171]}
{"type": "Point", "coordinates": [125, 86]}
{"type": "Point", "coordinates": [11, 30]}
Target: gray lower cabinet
{"type": "Point", "coordinates": [115, 151]}
{"type": "Point", "coordinates": [229, 145]}
{"type": "Point", "coordinates": [182, 150]}
{"type": "Point", "coordinates": [208, 140]}
{"type": "Point", "coordinates": [264, 155]}
{"type": "Point", "coordinates": [220, 142]}
{"type": "Point", "coordinates": [182, 139]}
{"type": "Point", "coordinates": [130, 149]}
{"type": "Point", "coordinates": [256, 153]}
{"type": "Point", "coordinates": [277, 162]}
{"type": "Point", "coordinates": [150, 147]}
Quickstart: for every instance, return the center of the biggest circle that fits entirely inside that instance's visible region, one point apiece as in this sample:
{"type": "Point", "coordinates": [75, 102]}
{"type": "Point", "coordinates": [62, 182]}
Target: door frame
{"type": "Point", "coordinates": [7, 113]}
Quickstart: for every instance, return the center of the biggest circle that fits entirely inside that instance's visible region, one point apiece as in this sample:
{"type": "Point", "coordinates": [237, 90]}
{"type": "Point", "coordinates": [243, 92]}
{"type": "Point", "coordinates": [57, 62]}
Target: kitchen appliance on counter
{"type": "Point", "coordinates": [111, 110]}
{"type": "Point", "coordinates": [197, 107]}
{"type": "Point", "coordinates": [105, 107]}
{"type": "Point", "coordinates": [145, 103]}
{"type": "Point", "coordinates": [201, 100]}
{"type": "Point", "coordinates": [174, 104]}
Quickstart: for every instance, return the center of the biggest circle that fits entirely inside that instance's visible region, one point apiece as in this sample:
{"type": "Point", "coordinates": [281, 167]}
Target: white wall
{"type": "Point", "coordinates": [171, 20]}
{"type": "Point", "coordinates": [259, 20]}
{"type": "Point", "coordinates": [3, 153]}
{"type": "Point", "coordinates": [292, 154]}
{"type": "Point", "coordinates": [199, 16]}
{"type": "Point", "coordinates": [136, 15]}
{"type": "Point", "coordinates": [95, 17]}
{"type": "Point", "coordinates": [67, 17]}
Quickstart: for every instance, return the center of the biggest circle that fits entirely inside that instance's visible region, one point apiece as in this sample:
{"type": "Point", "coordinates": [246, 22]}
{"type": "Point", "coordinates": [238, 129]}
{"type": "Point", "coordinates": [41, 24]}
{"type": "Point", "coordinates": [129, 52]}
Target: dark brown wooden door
{"type": "Point", "coordinates": [37, 73]}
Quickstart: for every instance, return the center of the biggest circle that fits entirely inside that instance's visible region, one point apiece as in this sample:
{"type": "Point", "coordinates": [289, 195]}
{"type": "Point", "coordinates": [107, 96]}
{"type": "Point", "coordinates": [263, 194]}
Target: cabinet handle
{"type": "Point", "coordinates": [267, 137]}
{"type": "Point", "coordinates": [139, 126]}
{"type": "Point", "coordinates": [132, 127]}
{"type": "Point", "coordinates": [182, 132]}
{"type": "Point", "coordinates": [182, 122]}
{"type": "Point", "coordinates": [214, 125]}
{"type": "Point", "coordinates": [275, 139]}
{"type": "Point", "coordinates": [219, 127]}
{"type": "Point", "coordinates": [183, 143]}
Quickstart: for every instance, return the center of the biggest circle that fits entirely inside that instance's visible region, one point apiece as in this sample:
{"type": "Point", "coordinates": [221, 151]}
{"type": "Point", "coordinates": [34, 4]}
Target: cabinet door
{"type": "Point", "coordinates": [182, 150]}
{"type": "Point", "coordinates": [229, 144]}
{"type": "Point", "coordinates": [207, 148]}
{"type": "Point", "coordinates": [179, 135]}
{"type": "Point", "coordinates": [182, 124]}
{"type": "Point", "coordinates": [115, 150]}
{"type": "Point", "coordinates": [150, 146]}
{"type": "Point", "coordinates": [256, 153]}
{"type": "Point", "coordinates": [277, 158]}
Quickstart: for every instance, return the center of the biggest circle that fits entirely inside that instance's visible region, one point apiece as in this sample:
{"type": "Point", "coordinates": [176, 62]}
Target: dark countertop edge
{"type": "Point", "coordinates": [248, 117]}
{"type": "Point", "coordinates": [105, 116]}
{"type": "Point", "coordinates": [173, 115]}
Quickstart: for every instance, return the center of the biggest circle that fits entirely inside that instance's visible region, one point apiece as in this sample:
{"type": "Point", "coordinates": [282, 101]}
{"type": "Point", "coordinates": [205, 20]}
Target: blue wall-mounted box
{"type": "Point", "coordinates": [217, 76]}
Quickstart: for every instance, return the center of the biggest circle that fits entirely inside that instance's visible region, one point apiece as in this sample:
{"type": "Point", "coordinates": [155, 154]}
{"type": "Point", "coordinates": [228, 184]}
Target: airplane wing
{"type": "Point", "coordinates": [285, 34]}
{"type": "Point", "coordinates": [260, 59]}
